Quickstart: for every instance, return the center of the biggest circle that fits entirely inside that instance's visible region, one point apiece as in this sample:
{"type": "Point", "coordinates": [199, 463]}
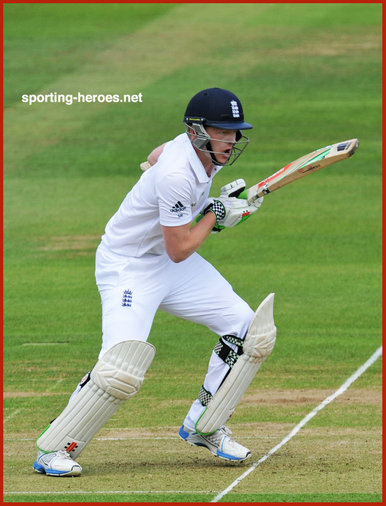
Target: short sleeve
{"type": "Point", "coordinates": [174, 194]}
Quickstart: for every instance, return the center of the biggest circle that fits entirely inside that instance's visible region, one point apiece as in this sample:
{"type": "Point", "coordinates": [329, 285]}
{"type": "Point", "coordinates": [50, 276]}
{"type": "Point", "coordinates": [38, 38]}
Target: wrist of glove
{"type": "Point", "coordinates": [216, 207]}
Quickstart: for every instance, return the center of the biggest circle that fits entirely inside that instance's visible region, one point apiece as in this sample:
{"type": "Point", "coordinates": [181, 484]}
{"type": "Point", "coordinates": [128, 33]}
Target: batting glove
{"type": "Point", "coordinates": [230, 211]}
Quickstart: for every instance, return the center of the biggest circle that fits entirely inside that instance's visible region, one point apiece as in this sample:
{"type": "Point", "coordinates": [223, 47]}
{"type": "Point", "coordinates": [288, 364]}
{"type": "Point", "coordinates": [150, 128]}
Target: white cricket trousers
{"type": "Point", "coordinates": [133, 289]}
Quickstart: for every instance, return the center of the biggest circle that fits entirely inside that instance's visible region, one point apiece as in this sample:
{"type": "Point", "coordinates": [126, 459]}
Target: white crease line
{"type": "Point", "coordinates": [296, 429]}
{"type": "Point", "coordinates": [136, 438]}
{"type": "Point", "coordinates": [303, 422]}
{"type": "Point", "coordinates": [67, 492]}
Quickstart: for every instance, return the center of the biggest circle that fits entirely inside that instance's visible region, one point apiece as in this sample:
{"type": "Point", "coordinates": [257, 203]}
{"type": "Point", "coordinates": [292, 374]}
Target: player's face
{"type": "Point", "coordinates": [222, 142]}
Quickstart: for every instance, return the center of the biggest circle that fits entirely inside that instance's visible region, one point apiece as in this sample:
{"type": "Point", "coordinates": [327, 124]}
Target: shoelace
{"type": "Point", "coordinates": [63, 454]}
{"type": "Point", "coordinates": [219, 434]}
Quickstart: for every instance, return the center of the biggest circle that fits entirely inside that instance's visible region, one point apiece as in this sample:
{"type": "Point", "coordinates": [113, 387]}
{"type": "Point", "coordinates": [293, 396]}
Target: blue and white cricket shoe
{"type": "Point", "coordinates": [219, 443]}
{"type": "Point", "coordinates": [56, 464]}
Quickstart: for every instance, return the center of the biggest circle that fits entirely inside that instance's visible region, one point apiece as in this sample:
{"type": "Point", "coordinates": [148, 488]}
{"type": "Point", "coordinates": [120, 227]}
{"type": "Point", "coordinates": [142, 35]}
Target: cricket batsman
{"type": "Point", "coordinates": [146, 261]}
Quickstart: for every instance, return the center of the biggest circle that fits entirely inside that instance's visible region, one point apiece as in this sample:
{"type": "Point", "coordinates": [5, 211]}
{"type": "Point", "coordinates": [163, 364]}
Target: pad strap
{"type": "Point", "coordinates": [225, 352]}
{"type": "Point", "coordinates": [228, 355]}
{"type": "Point", "coordinates": [204, 396]}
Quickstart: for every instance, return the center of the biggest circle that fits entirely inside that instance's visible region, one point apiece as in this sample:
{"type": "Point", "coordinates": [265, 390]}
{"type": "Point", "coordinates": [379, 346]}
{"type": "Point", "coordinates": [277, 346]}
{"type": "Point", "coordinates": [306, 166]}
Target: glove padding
{"type": "Point", "coordinates": [233, 189]}
{"type": "Point", "coordinates": [230, 211]}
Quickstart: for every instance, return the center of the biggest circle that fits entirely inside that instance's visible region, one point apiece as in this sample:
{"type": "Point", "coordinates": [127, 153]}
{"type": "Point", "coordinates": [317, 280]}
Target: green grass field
{"type": "Point", "coordinates": [308, 75]}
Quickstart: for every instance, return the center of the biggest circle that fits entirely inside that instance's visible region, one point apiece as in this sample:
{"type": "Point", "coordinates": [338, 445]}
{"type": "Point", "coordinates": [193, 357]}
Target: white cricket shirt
{"type": "Point", "coordinates": [171, 193]}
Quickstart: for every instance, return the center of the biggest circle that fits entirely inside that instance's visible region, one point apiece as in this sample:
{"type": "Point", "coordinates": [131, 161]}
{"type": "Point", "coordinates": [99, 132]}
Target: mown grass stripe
{"type": "Point", "coordinates": [124, 67]}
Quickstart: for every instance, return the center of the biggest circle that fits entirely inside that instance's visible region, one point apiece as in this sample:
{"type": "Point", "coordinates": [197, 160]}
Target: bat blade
{"type": "Point", "coordinates": [303, 166]}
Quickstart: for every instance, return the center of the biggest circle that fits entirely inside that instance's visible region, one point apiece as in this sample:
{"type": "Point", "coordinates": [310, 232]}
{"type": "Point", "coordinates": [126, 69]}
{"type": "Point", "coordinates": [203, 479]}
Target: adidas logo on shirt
{"type": "Point", "coordinates": [178, 208]}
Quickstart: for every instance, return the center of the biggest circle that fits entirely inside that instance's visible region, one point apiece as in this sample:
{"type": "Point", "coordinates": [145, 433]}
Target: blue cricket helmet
{"type": "Point", "coordinates": [216, 107]}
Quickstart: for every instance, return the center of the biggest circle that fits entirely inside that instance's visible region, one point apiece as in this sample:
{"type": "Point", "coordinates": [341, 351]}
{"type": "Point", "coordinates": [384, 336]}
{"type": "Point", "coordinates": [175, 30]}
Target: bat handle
{"type": "Point", "coordinates": [254, 197]}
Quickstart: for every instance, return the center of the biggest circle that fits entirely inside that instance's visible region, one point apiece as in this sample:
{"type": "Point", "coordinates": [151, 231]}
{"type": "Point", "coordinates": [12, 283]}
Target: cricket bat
{"type": "Point", "coordinates": [301, 167]}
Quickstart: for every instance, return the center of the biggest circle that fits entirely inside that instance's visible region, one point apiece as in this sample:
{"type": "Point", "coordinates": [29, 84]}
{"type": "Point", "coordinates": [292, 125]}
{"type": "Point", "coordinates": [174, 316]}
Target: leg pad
{"type": "Point", "coordinates": [117, 376]}
{"type": "Point", "coordinates": [258, 344]}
